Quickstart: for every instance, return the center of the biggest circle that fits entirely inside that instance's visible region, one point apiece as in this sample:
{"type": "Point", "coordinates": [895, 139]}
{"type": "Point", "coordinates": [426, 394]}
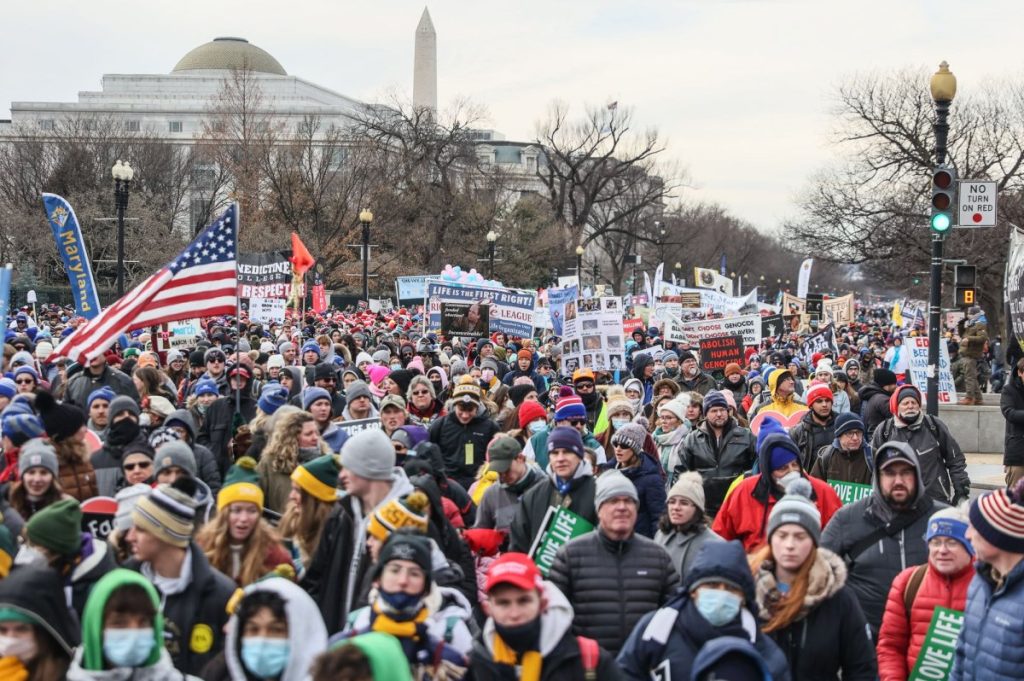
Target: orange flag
{"type": "Point", "coordinates": [301, 259]}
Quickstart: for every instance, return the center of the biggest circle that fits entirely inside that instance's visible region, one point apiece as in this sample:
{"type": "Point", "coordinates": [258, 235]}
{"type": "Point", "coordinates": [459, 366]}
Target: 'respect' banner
{"type": "Point", "coordinates": [68, 235]}
{"type": "Point", "coordinates": [264, 275]}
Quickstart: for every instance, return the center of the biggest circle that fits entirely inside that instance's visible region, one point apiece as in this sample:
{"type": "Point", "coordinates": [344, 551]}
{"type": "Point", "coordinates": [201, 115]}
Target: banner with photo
{"type": "Point", "coordinates": [467, 321]}
{"type": "Point", "coordinates": [1013, 294]}
{"type": "Point", "coordinates": [708, 278]}
{"type": "Point", "coordinates": [510, 311]}
{"type": "Point", "coordinates": [839, 311]}
{"type": "Point", "coordinates": [824, 340]}
{"type": "Point", "coordinates": [411, 288]}
{"type": "Point", "coordinates": [557, 298]}
{"type": "Point", "coordinates": [264, 275]}
{"type": "Point", "coordinates": [593, 335]}
{"type": "Point", "coordinates": [792, 305]}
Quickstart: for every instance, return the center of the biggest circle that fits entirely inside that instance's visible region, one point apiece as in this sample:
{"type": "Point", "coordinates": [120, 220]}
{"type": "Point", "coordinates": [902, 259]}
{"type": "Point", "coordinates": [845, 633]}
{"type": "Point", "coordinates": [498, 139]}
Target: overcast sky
{"type": "Point", "coordinates": [743, 89]}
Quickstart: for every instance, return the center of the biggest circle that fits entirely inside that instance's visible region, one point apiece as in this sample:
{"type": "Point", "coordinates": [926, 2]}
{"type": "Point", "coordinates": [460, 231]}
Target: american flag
{"type": "Point", "coordinates": [200, 282]}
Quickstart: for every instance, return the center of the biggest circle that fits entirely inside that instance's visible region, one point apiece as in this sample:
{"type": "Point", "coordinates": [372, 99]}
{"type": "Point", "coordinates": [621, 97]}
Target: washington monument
{"type": "Point", "coordinates": [424, 82]}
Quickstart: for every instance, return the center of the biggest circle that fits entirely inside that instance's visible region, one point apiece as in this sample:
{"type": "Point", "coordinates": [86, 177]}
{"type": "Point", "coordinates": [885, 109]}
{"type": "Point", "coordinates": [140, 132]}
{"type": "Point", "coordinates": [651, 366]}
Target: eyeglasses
{"type": "Point", "coordinates": [943, 543]}
{"type": "Point", "coordinates": [416, 393]}
{"type": "Point", "coordinates": [26, 382]}
{"type": "Point", "coordinates": [141, 465]}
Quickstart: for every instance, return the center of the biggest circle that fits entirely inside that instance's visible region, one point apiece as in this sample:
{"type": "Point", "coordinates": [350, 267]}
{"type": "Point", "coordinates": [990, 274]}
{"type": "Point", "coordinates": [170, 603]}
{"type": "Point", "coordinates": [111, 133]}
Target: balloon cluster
{"type": "Point", "coordinates": [456, 275]}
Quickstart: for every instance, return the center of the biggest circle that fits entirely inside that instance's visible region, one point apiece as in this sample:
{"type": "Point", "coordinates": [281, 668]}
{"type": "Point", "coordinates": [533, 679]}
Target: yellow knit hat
{"type": "Point", "coordinates": [241, 484]}
{"type": "Point", "coordinates": [410, 511]}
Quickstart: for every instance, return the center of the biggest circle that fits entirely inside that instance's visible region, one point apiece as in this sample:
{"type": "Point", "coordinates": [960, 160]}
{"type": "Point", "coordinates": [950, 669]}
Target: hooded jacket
{"type": "Point", "coordinates": [579, 498]}
{"type": "Point", "coordinates": [1011, 404]}
{"type": "Point", "coordinates": [206, 464]}
{"type": "Point", "coordinates": [719, 461]}
{"type": "Point", "coordinates": [82, 384]}
{"type": "Point", "coordinates": [307, 636]}
{"type": "Point", "coordinates": [38, 593]}
{"type": "Point", "coordinates": [672, 636]}
{"type": "Point", "coordinates": [715, 649]}
{"type": "Point", "coordinates": [531, 373]}
{"type": "Point", "coordinates": [874, 406]}
{"type": "Point", "coordinates": [786, 406]}
{"type": "Point", "coordinates": [872, 571]}
{"type": "Point", "coordinates": [829, 636]}
{"type": "Point", "coordinates": [464, 447]}
{"type": "Point", "coordinates": [744, 515]}
{"type": "Point", "coordinates": [640, 364]}
{"type": "Point", "coordinates": [558, 646]}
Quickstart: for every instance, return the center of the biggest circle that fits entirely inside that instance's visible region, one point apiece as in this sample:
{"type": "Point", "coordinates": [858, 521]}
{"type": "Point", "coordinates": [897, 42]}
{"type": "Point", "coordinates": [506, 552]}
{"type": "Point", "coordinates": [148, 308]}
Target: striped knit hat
{"type": "Point", "coordinates": [409, 511]}
{"type": "Point", "coordinates": [241, 484]}
{"type": "Point", "coordinates": [998, 516]}
{"type": "Point", "coordinates": [168, 514]}
{"type": "Point", "coordinates": [319, 477]}
{"type": "Point", "coordinates": [570, 407]}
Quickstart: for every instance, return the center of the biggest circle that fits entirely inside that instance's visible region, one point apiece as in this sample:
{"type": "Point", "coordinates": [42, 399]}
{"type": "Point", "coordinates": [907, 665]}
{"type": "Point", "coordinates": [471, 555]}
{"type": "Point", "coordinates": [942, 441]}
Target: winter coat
{"type": "Point", "coordinates": [516, 372]}
{"type": "Point", "coordinates": [670, 445]}
{"type": "Point", "coordinates": [83, 383]}
{"type": "Point", "coordinates": [206, 463]}
{"type": "Point", "coordinates": [718, 465]}
{"type": "Point", "coordinates": [640, 364]}
{"type": "Point", "coordinates": [217, 429]}
{"type": "Point", "coordinates": [874, 406]}
{"type": "Point", "coordinates": [106, 464]}
{"type": "Point", "coordinates": [1011, 403]}
{"type": "Point", "coordinates": [683, 547]}
{"type": "Point", "coordinates": [786, 406]}
{"type": "Point", "coordinates": [972, 342]}
{"type": "Point", "coordinates": [558, 647]}
{"type": "Point", "coordinates": [943, 466]}
{"type": "Point", "coordinates": [194, 617]}
{"type": "Point", "coordinates": [579, 498]}
{"type": "Point", "coordinates": [902, 632]}
{"type": "Point", "coordinates": [701, 383]}
{"type": "Point", "coordinates": [464, 447]}
{"type": "Point", "coordinates": [162, 670]}
{"type": "Point", "coordinates": [277, 485]}
{"type": "Point", "coordinates": [612, 584]}
{"type": "Point", "coordinates": [810, 436]}
{"type": "Point", "coordinates": [38, 592]}
{"type": "Point", "coordinates": [738, 390]}
{"type": "Point", "coordinates": [498, 505]}
{"type": "Point", "coordinates": [341, 559]}
{"type": "Point", "coordinates": [872, 571]}
{"type": "Point", "coordinates": [829, 638]}
{"type": "Point", "coordinates": [77, 478]}
{"type": "Point", "coordinates": [674, 635]}
{"type": "Point", "coordinates": [991, 647]}
{"type": "Point", "coordinates": [649, 481]}
{"type": "Point", "coordinates": [832, 463]}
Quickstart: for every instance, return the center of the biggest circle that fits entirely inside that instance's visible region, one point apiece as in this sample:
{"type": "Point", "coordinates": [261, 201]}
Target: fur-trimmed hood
{"type": "Point", "coordinates": [826, 578]}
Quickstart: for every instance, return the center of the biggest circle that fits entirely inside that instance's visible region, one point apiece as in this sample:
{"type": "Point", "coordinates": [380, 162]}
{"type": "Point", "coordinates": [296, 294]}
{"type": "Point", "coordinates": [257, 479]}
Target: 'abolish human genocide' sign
{"type": "Point", "coordinates": [716, 353]}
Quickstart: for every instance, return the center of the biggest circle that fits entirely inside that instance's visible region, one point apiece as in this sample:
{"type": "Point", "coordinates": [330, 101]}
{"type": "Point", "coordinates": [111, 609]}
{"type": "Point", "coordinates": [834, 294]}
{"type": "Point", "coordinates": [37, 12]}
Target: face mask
{"type": "Point", "coordinates": [487, 375]}
{"type": "Point", "coordinates": [202, 408]}
{"type": "Point", "coordinates": [401, 603]}
{"type": "Point", "coordinates": [123, 432]}
{"type": "Point", "coordinates": [16, 646]}
{"type": "Point", "coordinates": [522, 638]}
{"type": "Point", "coordinates": [128, 647]}
{"type": "Point", "coordinates": [30, 555]}
{"type": "Point", "coordinates": [396, 366]}
{"type": "Point", "coordinates": [619, 423]}
{"type": "Point", "coordinates": [718, 606]}
{"type": "Point", "coordinates": [265, 657]}
{"type": "Point", "coordinates": [537, 426]}
{"type": "Point", "coordinates": [789, 477]}
{"type": "Point", "coordinates": [635, 403]}
{"type": "Point", "coordinates": [437, 387]}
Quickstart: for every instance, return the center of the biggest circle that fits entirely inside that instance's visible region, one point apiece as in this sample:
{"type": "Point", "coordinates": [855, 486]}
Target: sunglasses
{"type": "Point", "coordinates": [140, 465]}
{"type": "Point", "coordinates": [215, 360]}
{"type": "Point", "coordinates": [576, 423]}
{"type": "Point", "coordinates": [26, 382]}
{"type": "Point", "coordinates": [584, 386]}
{"type": "Point", "coordinates": [326, 380]}
{"type": "Point", "coordinates": [420, 392]}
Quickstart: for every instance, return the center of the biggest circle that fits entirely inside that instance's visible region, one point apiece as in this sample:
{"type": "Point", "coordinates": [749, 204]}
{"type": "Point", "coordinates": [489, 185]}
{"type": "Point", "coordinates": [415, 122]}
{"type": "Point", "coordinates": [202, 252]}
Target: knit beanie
{"type": "Point", "coordinates": [883, 377]}
{"type": "Point", "coordinates": [796, 507]}
{"type": "Point", "coordinates": [404, 546]}
{"type": "Point", "coordinates": [61, 421]}
{"type": "Point", "coordinates": [412, 510]}
{"type": "Point", "coordinates": [357, 389]}
{"type": "Point", "coordinates": [319, 477]}
{"type": "Point", "coordinates": [8, 388]}
{"type": "Point", "coordinates": [162, 436]}
{"type": "Point", "coordinates": [674, 407]}
{"type": "Point", "coordinates": [518, 393]}
{"type": "Point", "coordinates": [612, 484]}
{"type": "Point", "coordinates": [570, 407]}
{"type": "Point", "coordinates": [730, 369]}
{"type": "Point", "coordinates": [206, 386]}
{"type": "Point", "coordinates": [57, 528]}
{"type": "Point", "coordinates": [618, 402]}
{"type": "Point", "coordinates": [104, 393]}
{"type": "Point", "coordinates": [529, 412]}
{"type": "Point", "coordinates": [998, 516]}
{"type": "Point", "coordinates": [242, 483]}
{"type": "Point", "coordinates": [949, 522]}
{"type": "Point", "coordinates": [369, 454]}
{"type": "Point", "coordinates": [275, 362]}
{"type": "Point", "coordinates": [819, 391]}
{"type": "Point", "coordinates": [272, 397]}
{"type": "Point", "coordinates": [314, 394]}
{"type": "Point", "coordinates": [36, 453]}
{"type": "Point", "coordinates": [26, 370]}
{"type": "Point", "coordinates": [311, 346]}
{"type": "Point", "coordinates": [363, 358]}
{"type": "Point", "coordinates": [175, 453]}
{"type": "Point", "coordinates": [565, 437]}
{"type": "Point", "coordinates": [714, 398]}
{"type": "Point", "coordinates": [417, 381]}
{"type": "Point", "coordinates": [127, 499]}
{"type": "Point", "coordinates": [20, 428]}
{"type": "Point", "coordinates": [123, 403]}
{"type": "Point", "coordinates": [690, 485]}
{"type": "Point", "coordinates": [168, 514]}
{"type": "Point", "coordinates": [631, 435]}
{"type": "Point", "coordinates": [848, 421]}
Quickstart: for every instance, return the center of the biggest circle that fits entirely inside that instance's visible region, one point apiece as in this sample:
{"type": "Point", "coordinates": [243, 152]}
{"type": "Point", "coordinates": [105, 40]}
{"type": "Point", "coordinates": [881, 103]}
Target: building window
{"type": "Point", "coordinates": [174, 126]}
{"type": "Point", "coordinates": [204, 179]}
{"type": "Point", "coordinates": [197, 214]}
{"type": "Point", "coordinates": [46, 124]}
{"type": "Point", "coordinates": [132, 126]}
{"type": "Point", "coordinates": [531, 164]}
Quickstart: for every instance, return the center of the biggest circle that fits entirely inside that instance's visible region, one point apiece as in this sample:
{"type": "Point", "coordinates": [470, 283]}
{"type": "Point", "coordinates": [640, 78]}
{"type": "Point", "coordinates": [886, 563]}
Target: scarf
{"type": "Point", "coordinates": [404, 629]}
{"type": "Point", "coordinates": [531, 661]}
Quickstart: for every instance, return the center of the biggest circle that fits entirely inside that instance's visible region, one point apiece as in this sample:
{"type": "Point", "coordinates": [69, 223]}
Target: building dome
{"type": "Point", "coordinates": [230, 53]}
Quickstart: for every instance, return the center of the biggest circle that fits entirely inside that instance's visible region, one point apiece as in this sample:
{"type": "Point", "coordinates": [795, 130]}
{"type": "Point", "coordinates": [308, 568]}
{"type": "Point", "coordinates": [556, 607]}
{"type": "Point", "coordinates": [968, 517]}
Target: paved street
{"type": "Point", "coordinates": [986, 470]}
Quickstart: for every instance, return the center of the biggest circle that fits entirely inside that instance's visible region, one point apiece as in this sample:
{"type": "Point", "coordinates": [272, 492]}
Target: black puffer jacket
{"type": "Point", "coordinates": [874, 406]}
{"type": "Point", "coordinates": [612, 584]}
{"type": "Point", "coordinates": [1011, 403]}
{"type": "Point", "coordinates": [717, 462]}
{"type": "Point", "coordinates": [810, 436]}
{"type": "Point", "coordinates": [217, 429]}
{"type": "Point", "coordinates": [464, 447]}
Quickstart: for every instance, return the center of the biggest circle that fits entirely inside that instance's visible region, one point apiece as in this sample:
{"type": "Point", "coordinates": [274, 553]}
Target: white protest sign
{"type": "Point", "coordinates": [919, 369]}
{"type": "Point", "coordinates": [748, 326]}
{"type": "Point", "coordinates": [267, 310]}
{"type": "Point", "coordinates": [977, 200]}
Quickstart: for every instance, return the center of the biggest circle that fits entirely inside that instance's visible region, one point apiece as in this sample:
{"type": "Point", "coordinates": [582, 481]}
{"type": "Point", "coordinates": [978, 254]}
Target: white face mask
{"type": "Point", "coordinates": [23, 648]}
{"type": "Point", "coordinates": [789, 477]}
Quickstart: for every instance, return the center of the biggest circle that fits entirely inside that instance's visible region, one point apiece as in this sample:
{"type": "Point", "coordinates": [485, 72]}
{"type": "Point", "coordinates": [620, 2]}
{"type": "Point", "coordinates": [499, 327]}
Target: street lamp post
{"type": "Point", "coordinates": [943, 90]}
{"type": "Point", "coordinates": [579, 266]}
{"type": "Point", "coordinates": [365, 218]}
{"type": "Point", "coordinates": [122, 174]}
{"type": "Point", "coordinates": [492, 238]}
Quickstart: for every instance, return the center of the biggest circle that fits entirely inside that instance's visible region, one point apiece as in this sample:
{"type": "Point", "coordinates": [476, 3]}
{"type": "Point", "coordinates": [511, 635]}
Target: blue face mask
{"type": "Point", "coordinates": [400, 603]}
{"type": "Point", "coordinates": [718, 606]}
{"type": "Point", "coordinates": [265, 657]}
{"type": "Point", "coordinates": [128, 647]}
{"type": "Point", "coordinates": [538, 426]}
{"type": "Point", "coordinates": [619, 423]}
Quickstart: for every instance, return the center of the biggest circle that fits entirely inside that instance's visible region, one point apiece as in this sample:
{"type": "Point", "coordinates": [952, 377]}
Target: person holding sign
{"type": "Point", "coordinates": [941, 582]}
{"type": "Point", "coordinates": [804, 602]}
{"type": "Point", "coordinates": [991, 644]}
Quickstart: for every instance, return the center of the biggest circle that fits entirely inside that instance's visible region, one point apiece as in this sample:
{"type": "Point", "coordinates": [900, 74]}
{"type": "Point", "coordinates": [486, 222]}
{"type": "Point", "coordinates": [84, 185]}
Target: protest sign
{"type": "Point", "coordinates": [631, 325]}
{"type": "Point", "coordinates": [593, 334]}
{"type": "Point", "coordinates": [823, 341]}
{"type": "Point", "coordinates": [813, 305]}
{"type": "Point", "coordinates": [710, 299]}
{"type": "Point", "coordinates": [772, 326]}
{"type": "Point", "coordinates": [748, 326]}
{"type": "Point", "coordinates": [919, 369]}
{"type": "Point", "coordinates": [1013, 288]}
{"type": "Point", "coordinates": [935, 659]}
{"type": "Point", "coordinates": [716, 353]}
{"type": "Point", "coordinates": [264, 275]}
{"type": "Point", "coordinates": [839, 311]}
{"type": "Point", "coordinates": [267, 310]}
{"type": "Point", "coordinates": [178, 335]}
{"type": "Point", "coordinates": [353, 427]}
{"type": "Point", "coordinates": [850, 492]}
{"type": "Point", "coordinates": [509, 310]}
{"type": "Point", "coordinates": [465, 320]}
{"type": "Point", "coordinates": [558, 527]}
{"type": "Point", "coordinates": [411, 288]}
{"type": "Point", "coordinates": [557, 298]}
{"type": "Point", "coordinates": [98, 516]}
{"type": "Point", "coordinates": [792, 305]}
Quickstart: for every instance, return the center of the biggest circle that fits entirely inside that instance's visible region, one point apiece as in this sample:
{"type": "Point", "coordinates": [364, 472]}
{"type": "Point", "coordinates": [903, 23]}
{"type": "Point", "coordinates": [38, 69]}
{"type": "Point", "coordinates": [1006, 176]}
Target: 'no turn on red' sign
{"type": "Point", "coordinates": [977, 203]}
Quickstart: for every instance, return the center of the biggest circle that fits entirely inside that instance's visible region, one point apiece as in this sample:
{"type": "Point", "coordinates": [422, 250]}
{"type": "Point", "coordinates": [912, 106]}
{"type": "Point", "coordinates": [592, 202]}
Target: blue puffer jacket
{"type": "Point", "coordinates": [992, 640]}
{"type": "Point", "coordinates": [649, 481]}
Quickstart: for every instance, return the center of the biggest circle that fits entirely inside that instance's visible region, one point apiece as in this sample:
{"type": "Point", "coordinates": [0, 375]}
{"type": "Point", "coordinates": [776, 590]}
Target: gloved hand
{"type": "Point", "coordinates": [11, 669]}
{"type": "Point", "coordinates": [484, 542]}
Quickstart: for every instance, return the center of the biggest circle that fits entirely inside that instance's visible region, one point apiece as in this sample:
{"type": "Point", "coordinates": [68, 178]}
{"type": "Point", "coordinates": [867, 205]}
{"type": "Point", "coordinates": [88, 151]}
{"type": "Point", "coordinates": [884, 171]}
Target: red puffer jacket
{"type": "Point", "coordinates": [900, 640]}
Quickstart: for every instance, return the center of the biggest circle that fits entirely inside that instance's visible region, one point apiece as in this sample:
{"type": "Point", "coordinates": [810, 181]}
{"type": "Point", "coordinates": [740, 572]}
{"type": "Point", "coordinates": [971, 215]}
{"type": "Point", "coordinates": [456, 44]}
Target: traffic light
{"type": "Point", "coordinates": [943, 198]}
{"type": "Point", "coordinates": [965, 286]}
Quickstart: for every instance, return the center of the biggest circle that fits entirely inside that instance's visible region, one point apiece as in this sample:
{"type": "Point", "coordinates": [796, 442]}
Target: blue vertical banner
{"type": "Point", "coordinates": [722, 268]}
{"type": "Point", "coordinates": [68, 235]}
{"type": "Point", "coordinates": [5, 292]}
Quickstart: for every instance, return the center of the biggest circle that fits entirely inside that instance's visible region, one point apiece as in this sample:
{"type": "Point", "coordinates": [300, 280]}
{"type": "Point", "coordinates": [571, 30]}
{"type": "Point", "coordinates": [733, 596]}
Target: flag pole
{"type": "Point", "coordinates": [238, 312]}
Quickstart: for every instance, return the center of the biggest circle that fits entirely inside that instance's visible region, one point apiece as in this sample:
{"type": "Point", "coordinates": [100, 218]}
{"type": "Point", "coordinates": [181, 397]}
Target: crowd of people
{"type": "Point", "coordinates": [344, 497]}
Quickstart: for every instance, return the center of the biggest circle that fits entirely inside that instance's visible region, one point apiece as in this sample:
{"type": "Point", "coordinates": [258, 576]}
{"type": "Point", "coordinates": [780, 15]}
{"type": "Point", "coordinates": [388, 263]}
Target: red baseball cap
{"type": "Point", "coordinates": [516, 569]}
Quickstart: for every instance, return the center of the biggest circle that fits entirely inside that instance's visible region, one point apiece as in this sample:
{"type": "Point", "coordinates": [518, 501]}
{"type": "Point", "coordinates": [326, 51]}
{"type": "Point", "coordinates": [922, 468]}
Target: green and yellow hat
{"type": "Point", "coordinates": [319, 477]}
{"type": "Point", "coordinates": [242, 483]}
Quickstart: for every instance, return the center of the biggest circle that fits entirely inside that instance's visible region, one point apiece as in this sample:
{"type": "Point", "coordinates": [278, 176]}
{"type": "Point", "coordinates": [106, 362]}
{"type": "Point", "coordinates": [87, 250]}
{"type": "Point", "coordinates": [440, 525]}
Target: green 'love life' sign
{"type": "Point", "coordinates": [935, 661]}
{"type": "Point", "coordinates": [560, 525]}
{"type": "Point", "coordinates": [850, 492]}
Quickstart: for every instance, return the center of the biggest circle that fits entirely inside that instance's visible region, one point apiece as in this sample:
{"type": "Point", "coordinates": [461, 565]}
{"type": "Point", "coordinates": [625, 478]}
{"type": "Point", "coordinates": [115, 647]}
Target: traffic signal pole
{"type": "Point", "coordinates": [941, 128]}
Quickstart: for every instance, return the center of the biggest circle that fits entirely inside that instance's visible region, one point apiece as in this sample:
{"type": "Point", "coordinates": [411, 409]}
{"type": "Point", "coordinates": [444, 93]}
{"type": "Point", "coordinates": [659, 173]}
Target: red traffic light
{"type": "Point", "coordinates": [943, 179]}
{"type": "Point", "coordinates": [941, 201]}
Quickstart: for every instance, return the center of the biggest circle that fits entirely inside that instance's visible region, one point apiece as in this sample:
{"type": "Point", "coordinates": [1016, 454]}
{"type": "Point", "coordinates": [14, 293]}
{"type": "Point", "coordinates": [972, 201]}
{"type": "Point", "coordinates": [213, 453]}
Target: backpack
{"type": "Point", "coordinates": [590, 653]}
{"type": "Point", "coordinates": [913, 586]}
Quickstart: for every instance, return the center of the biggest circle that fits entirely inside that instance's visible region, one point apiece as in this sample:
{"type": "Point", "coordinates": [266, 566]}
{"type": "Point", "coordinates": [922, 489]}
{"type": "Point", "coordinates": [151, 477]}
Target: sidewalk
{"type": "Point", "coordinates": [985, 470]}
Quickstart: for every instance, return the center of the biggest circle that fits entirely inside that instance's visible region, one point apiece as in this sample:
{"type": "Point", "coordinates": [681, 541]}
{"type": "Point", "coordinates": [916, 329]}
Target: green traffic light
{"type": "Point", "coordinates": [941, 222]}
